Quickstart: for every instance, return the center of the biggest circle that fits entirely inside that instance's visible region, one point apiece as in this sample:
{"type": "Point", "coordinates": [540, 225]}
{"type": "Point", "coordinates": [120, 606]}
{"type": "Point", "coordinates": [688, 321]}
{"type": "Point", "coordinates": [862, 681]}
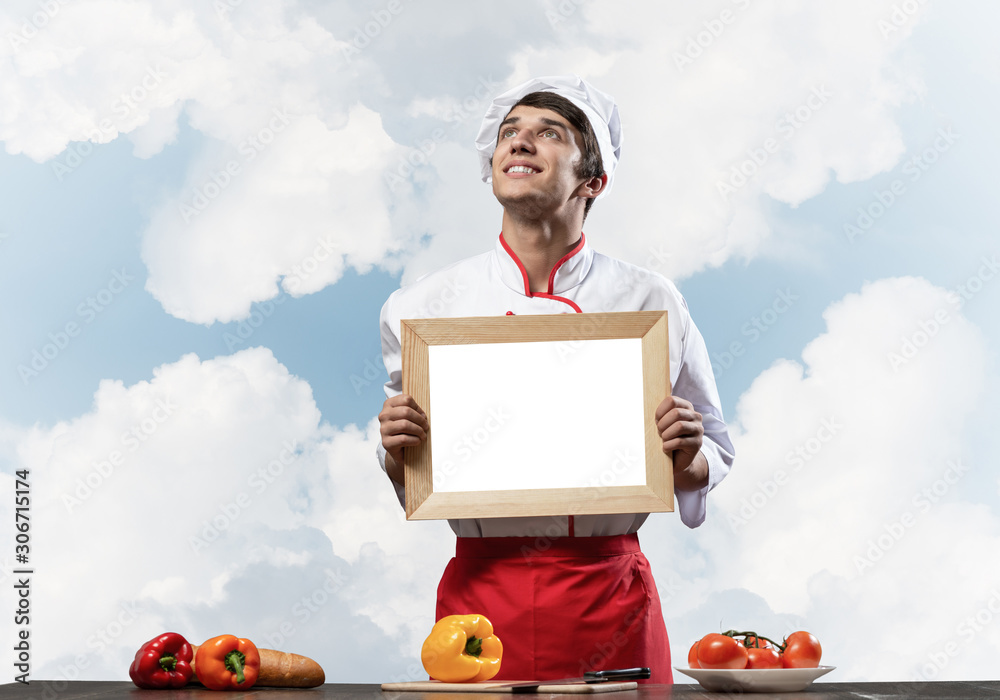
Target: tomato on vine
{"type": "Point", "coordinates": [721, 651]}
{"type": "Point", "coordinates": [801, 650]}
{"type": "Point", "coordinates": [751, 640]}
{"type": "Point", "coordinates": [693, 656]}
{"type": "Point", "coordinates": [736, 650]}
{"type": "Point", "coordinates": [761, 657]}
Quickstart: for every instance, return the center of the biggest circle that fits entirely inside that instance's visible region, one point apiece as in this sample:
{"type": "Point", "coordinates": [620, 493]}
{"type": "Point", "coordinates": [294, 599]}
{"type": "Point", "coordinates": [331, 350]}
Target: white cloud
{"type": "Point", "coordinates": [288, 209]}
{"type": "Point", "coordinates": [400, 562]}
{"type": "Point", "coordinates": [100, 68]}
{"type": "Point", "coordinates": [211, 500]}
{"type": "Point", "coordinates": [161, 129]}
{"type": "Point", "coordinates": [290, 178]}
{"type": "Point", "coordinates": [774, 90]}
{"type": "Point", "coordinates": [846, 512]}
{"type": "Point", "coordinates": [701, 93]}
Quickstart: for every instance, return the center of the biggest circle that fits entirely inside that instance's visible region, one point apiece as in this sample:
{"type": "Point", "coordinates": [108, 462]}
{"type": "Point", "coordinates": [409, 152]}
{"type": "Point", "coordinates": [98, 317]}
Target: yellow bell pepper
{"type": "Point", "coordinates": [462, 648]}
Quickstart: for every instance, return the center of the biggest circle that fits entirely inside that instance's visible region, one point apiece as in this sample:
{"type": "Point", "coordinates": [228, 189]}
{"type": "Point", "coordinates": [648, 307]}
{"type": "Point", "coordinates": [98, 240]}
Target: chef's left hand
{"type": "Point", "coordinates": [681, 430]}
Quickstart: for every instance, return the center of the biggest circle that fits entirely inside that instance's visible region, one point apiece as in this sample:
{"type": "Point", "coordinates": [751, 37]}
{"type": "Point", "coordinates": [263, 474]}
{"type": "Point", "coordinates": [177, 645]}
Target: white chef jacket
{"type": "Point", "coordinates": [496, 284]}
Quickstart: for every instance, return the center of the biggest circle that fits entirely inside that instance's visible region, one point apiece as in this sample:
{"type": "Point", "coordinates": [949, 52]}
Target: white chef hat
{"type": "Point", "coordinates": [599, 107]}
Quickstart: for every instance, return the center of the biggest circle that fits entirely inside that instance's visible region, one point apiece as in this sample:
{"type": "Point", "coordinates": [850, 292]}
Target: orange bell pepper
{"type": "Point", "coordinates": [462, 648]}
{"type": "Point", "coordinates": [227, 662]}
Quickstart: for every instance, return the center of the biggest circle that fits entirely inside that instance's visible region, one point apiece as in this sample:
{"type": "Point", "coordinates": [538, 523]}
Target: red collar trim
{"type": "Point", "coordinates": [517, 261]}
{"type": "Point", "coordinates": [562, 299]}
{"type": "Point", "coordinates": [552, 275]}
{"type": "Point", "coordinates": [576, 249]}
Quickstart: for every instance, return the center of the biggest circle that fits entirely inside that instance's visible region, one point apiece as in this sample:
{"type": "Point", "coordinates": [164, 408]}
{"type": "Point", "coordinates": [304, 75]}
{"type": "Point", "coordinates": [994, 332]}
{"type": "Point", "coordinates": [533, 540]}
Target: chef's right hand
{"type": "Point", "coordinates": [402, 424]}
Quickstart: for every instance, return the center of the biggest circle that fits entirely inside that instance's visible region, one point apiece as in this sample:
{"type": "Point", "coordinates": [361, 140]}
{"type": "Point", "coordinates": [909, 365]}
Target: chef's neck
{"type": "Point", "coordinates": [539, 245]}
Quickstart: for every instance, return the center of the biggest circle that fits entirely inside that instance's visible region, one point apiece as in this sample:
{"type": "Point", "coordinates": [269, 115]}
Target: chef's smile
{"type": "Point", "coordinates": [521, 170]}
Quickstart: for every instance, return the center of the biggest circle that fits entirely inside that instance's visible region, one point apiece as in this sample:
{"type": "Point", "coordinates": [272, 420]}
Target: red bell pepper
{"type": "Point", "coordinates": [163, 662]}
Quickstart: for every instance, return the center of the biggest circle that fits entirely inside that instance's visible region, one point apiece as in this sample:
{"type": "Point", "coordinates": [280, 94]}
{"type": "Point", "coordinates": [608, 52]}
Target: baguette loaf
{"type": "Point", "coordinates": [280, 669]}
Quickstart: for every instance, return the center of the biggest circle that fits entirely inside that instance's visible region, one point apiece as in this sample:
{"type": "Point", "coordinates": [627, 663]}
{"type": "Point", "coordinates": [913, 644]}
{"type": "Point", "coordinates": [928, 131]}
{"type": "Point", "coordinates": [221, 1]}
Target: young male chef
{"type": "Point", "coordinates": [585, 598]}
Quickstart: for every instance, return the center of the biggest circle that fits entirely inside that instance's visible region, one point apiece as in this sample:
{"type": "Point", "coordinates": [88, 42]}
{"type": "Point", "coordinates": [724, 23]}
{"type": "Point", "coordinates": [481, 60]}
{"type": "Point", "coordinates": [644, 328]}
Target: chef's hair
{"type": "Point", "coordinates": [590, 164]}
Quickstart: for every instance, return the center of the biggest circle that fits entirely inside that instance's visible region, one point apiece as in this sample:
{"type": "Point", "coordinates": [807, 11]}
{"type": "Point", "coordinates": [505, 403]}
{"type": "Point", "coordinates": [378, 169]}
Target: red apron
{"type": "Point", "coordinates": [561, 606]}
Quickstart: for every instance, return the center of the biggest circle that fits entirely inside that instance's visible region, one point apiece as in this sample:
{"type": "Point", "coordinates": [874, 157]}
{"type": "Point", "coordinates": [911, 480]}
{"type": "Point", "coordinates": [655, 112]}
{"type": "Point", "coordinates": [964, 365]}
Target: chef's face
{"type": "Point", "coordinates": [536, 162]}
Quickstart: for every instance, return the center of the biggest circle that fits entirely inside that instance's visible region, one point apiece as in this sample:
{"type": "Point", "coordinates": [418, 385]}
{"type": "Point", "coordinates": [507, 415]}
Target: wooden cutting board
{"type": "Point", "coordinates": [496, 687]}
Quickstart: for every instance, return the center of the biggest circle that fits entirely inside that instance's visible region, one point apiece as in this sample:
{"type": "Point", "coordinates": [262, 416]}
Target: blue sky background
{"type": "Point", "coordinates": [329, 527]}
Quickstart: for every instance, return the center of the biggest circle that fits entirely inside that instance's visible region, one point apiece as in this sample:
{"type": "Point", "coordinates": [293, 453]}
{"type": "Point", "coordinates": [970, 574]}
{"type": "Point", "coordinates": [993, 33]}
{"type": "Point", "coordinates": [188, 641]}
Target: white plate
{"type": "Point", "coordinates": [760, 680]}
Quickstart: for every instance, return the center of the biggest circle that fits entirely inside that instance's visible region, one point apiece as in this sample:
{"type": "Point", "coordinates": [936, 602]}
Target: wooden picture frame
{"type": "Point", "coordinates": [589, 426]}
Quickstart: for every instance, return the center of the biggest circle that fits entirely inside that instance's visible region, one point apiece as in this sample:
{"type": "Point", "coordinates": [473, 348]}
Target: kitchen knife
{"type": "Point", "coordinates": [616, 674]}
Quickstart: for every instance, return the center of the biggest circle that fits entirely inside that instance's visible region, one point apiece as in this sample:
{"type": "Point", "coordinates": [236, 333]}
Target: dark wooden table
{"type": "Point", "coordinates": [96, 690]}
